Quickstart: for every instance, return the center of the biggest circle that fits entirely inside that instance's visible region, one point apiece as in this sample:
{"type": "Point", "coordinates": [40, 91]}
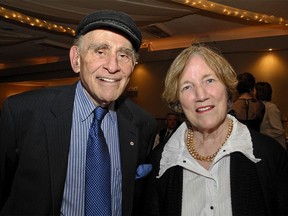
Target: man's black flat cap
{"type": "Point", "coordinates": [118, 22]}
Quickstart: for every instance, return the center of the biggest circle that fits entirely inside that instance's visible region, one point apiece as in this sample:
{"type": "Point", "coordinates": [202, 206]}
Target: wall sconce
{"type": "Point", "coordinates": [132, 91]}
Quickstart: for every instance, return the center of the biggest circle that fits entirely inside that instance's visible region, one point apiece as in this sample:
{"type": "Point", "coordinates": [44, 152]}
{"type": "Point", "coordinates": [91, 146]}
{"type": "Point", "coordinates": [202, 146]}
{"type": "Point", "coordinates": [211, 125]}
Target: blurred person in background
{"type": "Point", "coordinates": [271, 124]}
{"type": "Point", "coordinates": [247, 109]}
{"type": "Point", "coordinates": [171, 123]}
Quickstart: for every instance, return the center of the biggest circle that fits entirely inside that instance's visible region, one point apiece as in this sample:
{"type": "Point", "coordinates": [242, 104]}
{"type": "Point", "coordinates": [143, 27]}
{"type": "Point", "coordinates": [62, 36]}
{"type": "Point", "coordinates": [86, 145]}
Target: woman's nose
{"type": "Point", "coordinates": [201, 93]}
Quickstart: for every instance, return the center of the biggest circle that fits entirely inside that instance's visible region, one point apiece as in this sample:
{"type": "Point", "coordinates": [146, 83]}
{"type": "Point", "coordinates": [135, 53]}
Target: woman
{"type": "Point", "coordinates": [271, 125]}
{"type": "Point", "coordinates": [247, 109]}
{"type": "Point", "coordinates": [213, 164]}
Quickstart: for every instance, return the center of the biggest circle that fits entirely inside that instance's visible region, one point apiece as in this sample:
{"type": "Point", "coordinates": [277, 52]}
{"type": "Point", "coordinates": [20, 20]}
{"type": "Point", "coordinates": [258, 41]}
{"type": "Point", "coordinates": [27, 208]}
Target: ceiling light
{"type": "Point", "coordinates": [32, 21]}
{"type": "Point", "coordinates": [234, 12]}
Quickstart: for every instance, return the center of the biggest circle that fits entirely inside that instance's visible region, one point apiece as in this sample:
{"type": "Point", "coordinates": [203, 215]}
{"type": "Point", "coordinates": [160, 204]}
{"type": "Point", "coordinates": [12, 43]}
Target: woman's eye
{"type": "Point", "coordinates": [186, 88]}
{"type": "Point", "coordinates": [210, 80]}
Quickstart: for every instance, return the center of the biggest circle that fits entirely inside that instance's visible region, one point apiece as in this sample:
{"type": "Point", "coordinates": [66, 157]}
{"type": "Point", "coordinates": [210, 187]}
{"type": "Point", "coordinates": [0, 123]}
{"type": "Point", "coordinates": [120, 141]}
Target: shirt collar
{"type": "Point", "coordinates": [87, 105]}
{"type": "Point", "coordinates": [239, 141]}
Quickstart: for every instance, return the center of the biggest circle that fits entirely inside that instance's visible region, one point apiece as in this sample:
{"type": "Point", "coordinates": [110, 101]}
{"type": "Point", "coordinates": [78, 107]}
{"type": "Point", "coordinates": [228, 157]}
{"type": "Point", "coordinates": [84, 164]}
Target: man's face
{"type": "Point", "coordinates": [171, 121]}
{"type": "Point", "coordinates": [105, 65]}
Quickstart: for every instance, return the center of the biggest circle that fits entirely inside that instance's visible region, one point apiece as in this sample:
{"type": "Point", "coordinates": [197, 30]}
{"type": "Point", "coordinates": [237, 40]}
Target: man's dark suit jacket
{"type": "Point", "coordinates": [162, 134]}
{"type": "Point", "coordinates": [34, 146]}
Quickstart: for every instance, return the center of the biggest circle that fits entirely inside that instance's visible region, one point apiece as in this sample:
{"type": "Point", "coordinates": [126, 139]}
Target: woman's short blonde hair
{"type": "Point", "coordinates": [223, 70]}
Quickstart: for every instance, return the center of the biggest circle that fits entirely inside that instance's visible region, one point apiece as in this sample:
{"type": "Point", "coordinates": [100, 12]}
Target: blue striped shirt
{"type": "Point", "coordinates": [73, 202]}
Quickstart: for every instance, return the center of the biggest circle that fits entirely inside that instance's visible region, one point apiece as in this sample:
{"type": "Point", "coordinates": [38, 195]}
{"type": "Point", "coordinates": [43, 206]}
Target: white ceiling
{"type": "Point", "coordinates": [166, 25]}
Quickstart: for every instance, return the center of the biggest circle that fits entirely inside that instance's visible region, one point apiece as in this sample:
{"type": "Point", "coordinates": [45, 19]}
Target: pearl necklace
{"type": "Point", "coordinates": [195, 154]}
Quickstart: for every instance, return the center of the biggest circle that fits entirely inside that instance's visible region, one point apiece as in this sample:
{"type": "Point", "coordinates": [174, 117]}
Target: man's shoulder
{"type": "Point", "coordinates": [163, 131]}
{"type": "Point", "coordinates": [39, 97]}
{"type": "Point", "coordinates": [41, 91]}
{"type": "Point", "coordinates": [133, 111]}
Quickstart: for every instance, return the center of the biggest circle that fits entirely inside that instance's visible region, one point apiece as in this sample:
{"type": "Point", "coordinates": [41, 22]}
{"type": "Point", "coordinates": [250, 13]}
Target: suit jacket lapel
{"type": "Point", "coordinates": [128, 137]}
{"type": "Point", "coordinates": [58, 138]}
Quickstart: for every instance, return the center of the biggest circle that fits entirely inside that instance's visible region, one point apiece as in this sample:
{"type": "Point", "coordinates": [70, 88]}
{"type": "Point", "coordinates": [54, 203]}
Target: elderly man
{"type": "Point", "coordinates": [45, 135]}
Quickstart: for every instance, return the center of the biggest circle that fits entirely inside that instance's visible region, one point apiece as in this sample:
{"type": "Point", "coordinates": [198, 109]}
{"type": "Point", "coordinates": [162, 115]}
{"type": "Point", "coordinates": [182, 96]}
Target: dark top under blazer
{"type": "Point", "coordinates": [256, 189]}
{"type": "Point", "coordinates": [34, 146]}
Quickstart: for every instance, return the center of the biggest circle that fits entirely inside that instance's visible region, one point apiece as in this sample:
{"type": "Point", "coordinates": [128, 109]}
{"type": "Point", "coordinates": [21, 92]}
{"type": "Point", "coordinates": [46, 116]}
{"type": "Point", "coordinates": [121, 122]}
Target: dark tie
{"type": "Point", "coordinates": [97, 175]}
{"type": "Point", "coordinates": [167, 135]}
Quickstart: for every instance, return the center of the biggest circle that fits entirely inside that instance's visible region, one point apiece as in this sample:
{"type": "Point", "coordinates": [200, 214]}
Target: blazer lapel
{"type": "Point", "coordinates": [58, 138]}
{"type": "Point", "coordinates": [129, 146]}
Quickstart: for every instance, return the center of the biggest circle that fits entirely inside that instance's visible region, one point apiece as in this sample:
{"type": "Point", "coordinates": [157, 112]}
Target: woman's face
{"type": "Point", "coordinates": [202, 95]}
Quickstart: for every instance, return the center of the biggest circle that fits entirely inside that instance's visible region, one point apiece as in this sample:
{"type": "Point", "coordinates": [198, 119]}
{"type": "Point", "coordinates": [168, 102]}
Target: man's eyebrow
{"type": "Point", "coordinates": [125, 49]}
{"type": "Point", "coordinates": [98, 46]}
{"type": "Point", "coordinates": [94, 46]}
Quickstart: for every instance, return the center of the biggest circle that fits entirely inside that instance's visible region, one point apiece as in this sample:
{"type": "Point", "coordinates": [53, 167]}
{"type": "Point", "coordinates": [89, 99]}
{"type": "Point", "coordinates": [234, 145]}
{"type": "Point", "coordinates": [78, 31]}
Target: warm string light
{"type": "Point", "coordinates": [200, 4]}
{"type": "Point", "coordinates": [234, 12]}
{"type": "Point", "coordinates": [35, 22]}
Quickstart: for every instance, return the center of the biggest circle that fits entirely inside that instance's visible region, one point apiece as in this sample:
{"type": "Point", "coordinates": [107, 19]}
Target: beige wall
{"type": "Point", "coordinates": [270, 67]}
{"type": "Point", "coordinates": [147, 81]}
{"type": "Point", "coordinates": [149, 78]}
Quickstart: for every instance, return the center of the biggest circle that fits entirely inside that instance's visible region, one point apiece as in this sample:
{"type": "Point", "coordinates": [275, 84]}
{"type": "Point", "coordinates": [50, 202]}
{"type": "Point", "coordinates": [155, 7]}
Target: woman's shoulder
{"type": "Point", "coordinates": [270, 105]}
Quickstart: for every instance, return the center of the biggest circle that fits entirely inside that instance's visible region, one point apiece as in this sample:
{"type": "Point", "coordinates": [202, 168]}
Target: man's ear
{"type": "Point", "coordinates": [75, 59]}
